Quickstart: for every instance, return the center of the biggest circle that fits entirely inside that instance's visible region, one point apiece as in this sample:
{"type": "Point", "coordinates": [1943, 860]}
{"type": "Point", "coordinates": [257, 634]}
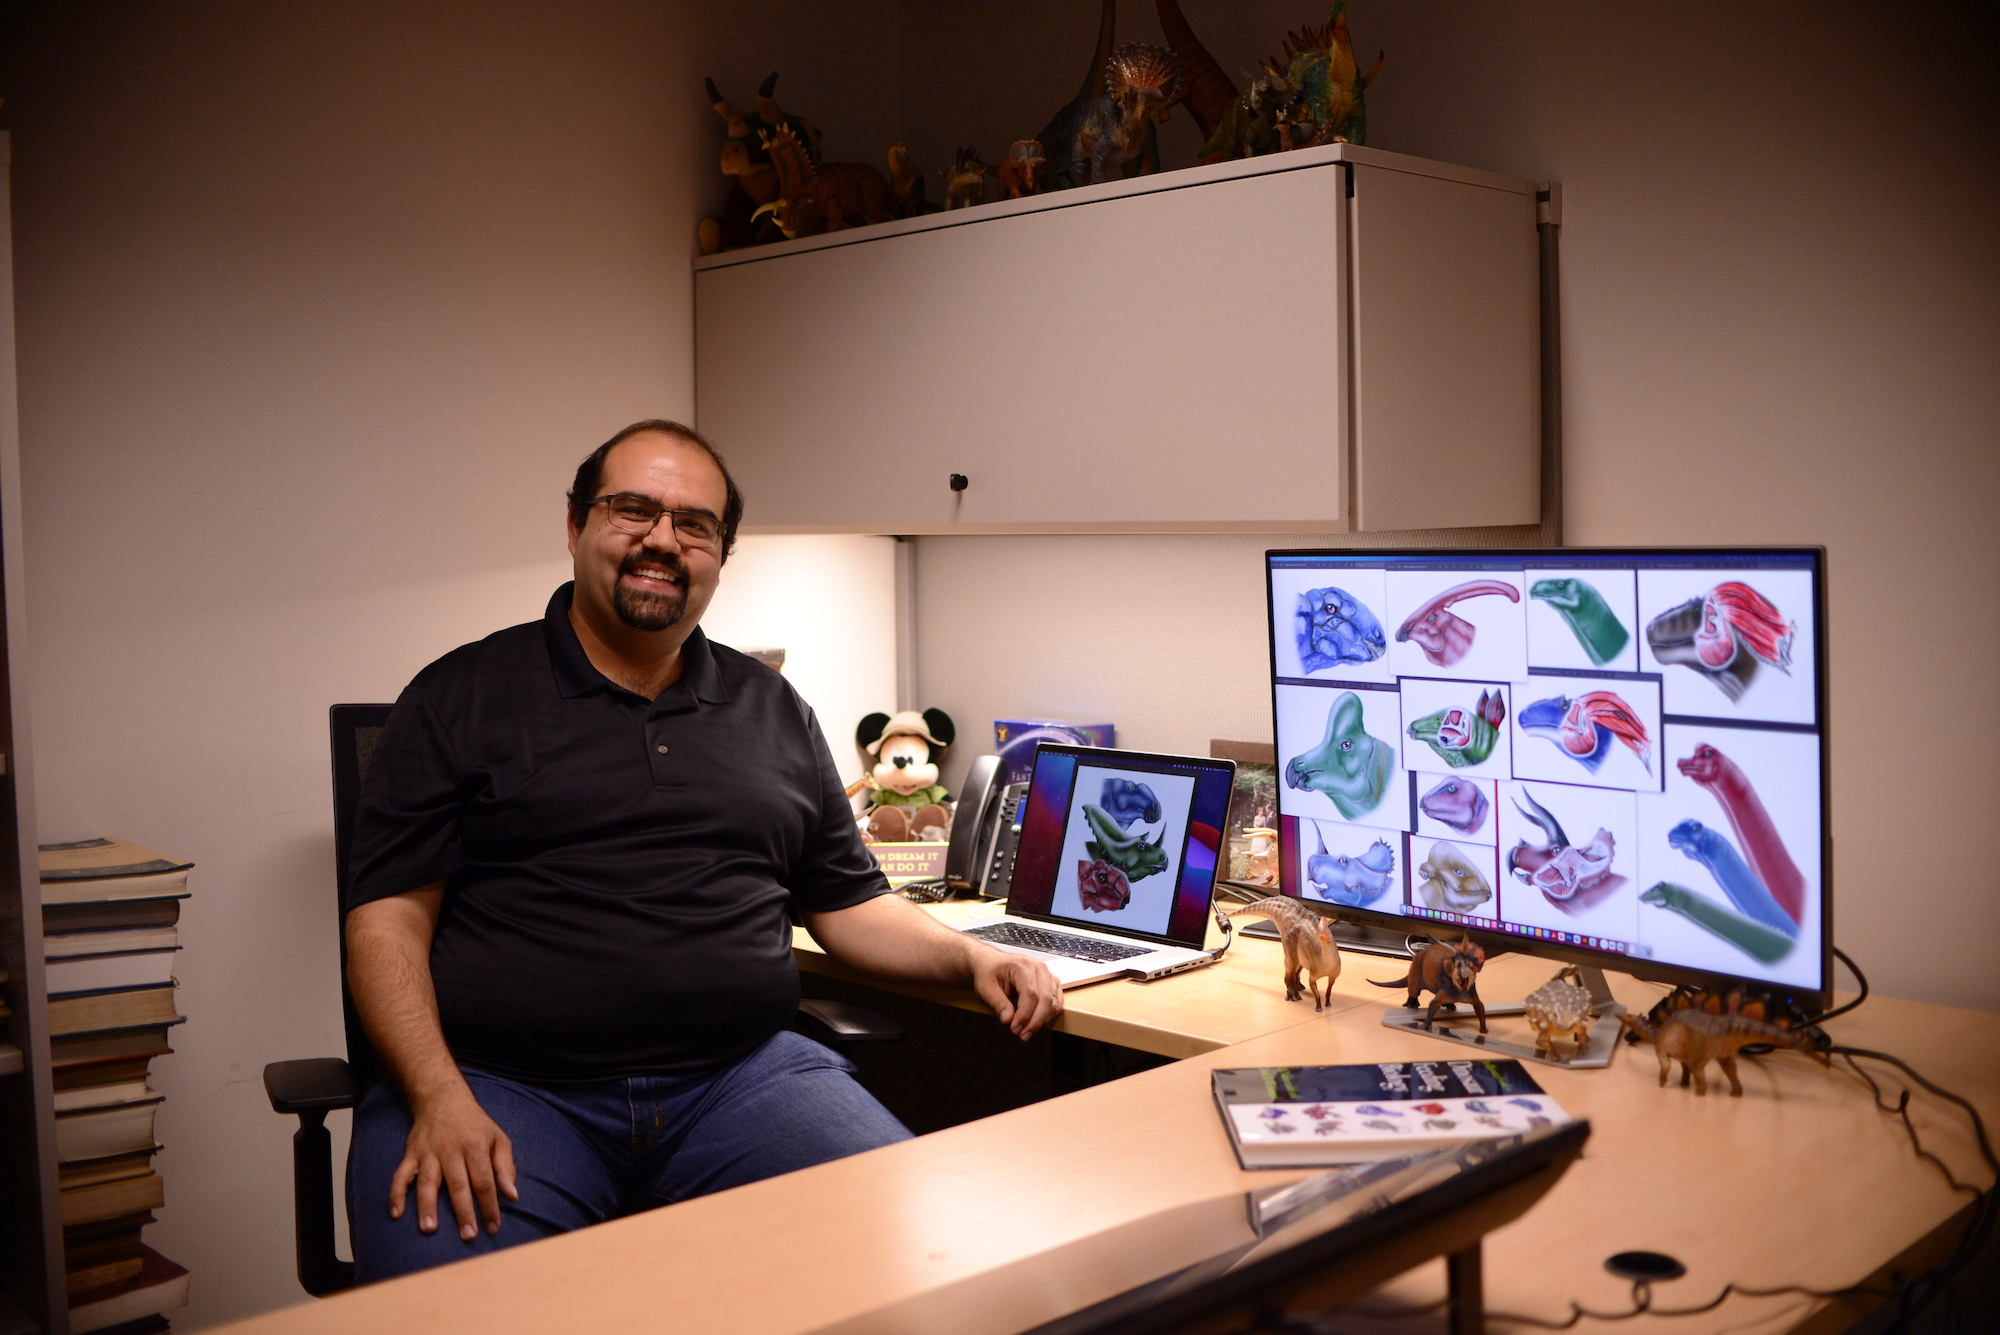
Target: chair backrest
{"type": "Point", "coordinates": [354, 729]}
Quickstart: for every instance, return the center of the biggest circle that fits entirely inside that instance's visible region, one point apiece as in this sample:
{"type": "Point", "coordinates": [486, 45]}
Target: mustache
{"type": "Point", "coordinates": [643, 560]}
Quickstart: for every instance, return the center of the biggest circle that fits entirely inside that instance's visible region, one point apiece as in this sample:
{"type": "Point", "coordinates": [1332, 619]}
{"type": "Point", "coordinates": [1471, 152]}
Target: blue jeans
{"type": "Point", "coordinates": [584, 1153]}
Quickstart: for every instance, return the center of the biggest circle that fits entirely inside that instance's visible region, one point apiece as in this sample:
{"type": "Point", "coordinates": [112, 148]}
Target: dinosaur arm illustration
{"type": "Point", "coordinates": [1726, 865]}
{"type": "Point", "coordinates": [1752, 938]}
{"type": "Point", "coordinates": [1754, 829]}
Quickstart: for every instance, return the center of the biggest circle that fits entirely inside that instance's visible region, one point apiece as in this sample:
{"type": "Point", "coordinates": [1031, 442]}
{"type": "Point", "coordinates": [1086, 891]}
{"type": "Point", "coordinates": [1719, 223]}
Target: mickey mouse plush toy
{"type": "Point", "coordinates": [907, 801]}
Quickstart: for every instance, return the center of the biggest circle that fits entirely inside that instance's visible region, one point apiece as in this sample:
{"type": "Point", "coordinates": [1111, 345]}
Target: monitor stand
{"type": "Point", "coordinates": [1460, 1025]}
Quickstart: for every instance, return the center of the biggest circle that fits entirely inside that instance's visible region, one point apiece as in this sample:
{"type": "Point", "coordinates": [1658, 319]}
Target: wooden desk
{"type": "Point", "coordinates": [998, 1224]}
{"type": "Point", "coordinates": [1238, 997]}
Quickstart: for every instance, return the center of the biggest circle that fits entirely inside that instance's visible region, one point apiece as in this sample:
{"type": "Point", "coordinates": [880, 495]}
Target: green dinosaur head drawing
{"type": "Point", "coordinates": [1463, 737]}
{"type": "Point", "coordinates": [1129, 853]}
{"type": "Point", "coordinates": [1349, 766]}
{"type": "Point", "coordinates": [1590, 618]}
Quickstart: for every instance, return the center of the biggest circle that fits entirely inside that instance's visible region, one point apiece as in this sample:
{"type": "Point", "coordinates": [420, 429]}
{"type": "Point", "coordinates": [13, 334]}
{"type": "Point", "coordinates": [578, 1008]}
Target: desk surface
{"type": "Point", "coordinates": [1237, 997]}
{"type": "Point", "coordinates": [1001, 1223]}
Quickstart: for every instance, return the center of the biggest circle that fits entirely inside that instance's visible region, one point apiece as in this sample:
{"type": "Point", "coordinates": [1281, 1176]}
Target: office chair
{"type": "Point", "coordinates": [313, 1087]}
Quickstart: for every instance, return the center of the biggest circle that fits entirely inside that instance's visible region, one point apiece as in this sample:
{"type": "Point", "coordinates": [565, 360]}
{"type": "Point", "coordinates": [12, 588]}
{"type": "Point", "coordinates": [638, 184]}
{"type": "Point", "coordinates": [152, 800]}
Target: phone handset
{"type": "Point", "coordinates": [984, 831]}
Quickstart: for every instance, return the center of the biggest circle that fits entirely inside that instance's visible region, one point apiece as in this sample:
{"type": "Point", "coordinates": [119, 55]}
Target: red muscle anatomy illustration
{"type": "Point", "coordinates": [1444, 636]}
{"type": "Point", "coordinates": [1766, 852]}
{"type": "Point", "coordinates": [1734, 612]}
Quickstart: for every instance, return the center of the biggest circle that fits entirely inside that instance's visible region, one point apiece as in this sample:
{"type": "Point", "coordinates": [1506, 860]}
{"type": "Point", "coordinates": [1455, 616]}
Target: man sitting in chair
{"type": "Point", "coordinates": [567, 931]}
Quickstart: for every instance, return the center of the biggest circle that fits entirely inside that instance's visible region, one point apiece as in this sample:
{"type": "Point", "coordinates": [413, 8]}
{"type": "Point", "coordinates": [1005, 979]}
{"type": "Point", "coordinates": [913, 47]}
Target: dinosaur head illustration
{"type": "Point", "coordinates": [1448, 881]}
{"type": "Point", "coordinates": [1444, 636]}
{"type": "Point", "coordinates": [1132, 854]}
{"type": "Point", "coordinates": [1558, 592]}
{"type": "Point", "coordinates": [1459, 803]}
{"type": "Point", "coordinates": [1463, 737]}
{"type": "Point", "coordinates": [1349, 766]}
{"type": "Point", "coordinates": [1334, 627]}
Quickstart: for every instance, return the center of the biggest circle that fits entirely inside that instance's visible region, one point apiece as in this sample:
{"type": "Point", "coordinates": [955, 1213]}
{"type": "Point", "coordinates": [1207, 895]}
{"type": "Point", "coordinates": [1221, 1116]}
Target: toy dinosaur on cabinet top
{"type": "Point", "coordinates": [812, 200]}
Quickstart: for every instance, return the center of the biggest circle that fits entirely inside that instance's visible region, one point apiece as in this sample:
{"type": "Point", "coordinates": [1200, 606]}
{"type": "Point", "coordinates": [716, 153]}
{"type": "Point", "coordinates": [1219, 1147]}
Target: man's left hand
{"type": "Point", "coordinates": [1021, 991]}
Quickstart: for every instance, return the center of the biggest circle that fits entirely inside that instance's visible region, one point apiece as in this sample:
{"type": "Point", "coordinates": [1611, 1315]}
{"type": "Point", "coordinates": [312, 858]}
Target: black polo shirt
{"type": "Point", "coordinates": [617, 870]}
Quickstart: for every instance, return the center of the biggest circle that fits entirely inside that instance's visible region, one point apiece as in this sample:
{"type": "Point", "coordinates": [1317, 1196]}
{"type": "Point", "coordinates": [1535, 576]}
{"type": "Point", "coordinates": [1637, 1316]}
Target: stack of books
{"type": "Point", "coordinates": [110, 924]}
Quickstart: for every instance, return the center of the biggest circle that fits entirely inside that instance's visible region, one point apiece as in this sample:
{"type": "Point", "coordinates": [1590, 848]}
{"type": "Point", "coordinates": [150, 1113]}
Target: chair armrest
{"type": "Point", "coordinates": [836, 1023]}
{"type": "Point", "coordinates": [313, 1085]}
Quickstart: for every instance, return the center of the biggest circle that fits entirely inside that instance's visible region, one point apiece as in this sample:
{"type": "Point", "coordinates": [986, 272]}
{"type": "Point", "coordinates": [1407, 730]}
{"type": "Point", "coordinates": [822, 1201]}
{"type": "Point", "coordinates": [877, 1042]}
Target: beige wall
{"type": "Point", "coordinates": [318, 306]}
{"type": "Point", "coordinates": [1781, 323]}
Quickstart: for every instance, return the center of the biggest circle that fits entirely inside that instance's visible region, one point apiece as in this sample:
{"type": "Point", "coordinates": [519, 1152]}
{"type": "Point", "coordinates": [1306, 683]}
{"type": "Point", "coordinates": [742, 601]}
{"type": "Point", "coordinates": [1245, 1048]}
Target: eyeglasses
{"type": "Point", "coordinates": [636, 514]}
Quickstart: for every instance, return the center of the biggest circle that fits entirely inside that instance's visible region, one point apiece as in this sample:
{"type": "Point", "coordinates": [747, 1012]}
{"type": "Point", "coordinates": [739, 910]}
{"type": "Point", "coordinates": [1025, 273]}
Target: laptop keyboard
{"type": "Point", "coordinates": [1056, 943]}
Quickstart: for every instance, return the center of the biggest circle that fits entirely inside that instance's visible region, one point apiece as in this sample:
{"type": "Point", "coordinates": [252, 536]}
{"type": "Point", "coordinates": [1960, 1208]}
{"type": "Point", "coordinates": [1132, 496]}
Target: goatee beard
{"type": "Point", "coordinates": [645, 610]}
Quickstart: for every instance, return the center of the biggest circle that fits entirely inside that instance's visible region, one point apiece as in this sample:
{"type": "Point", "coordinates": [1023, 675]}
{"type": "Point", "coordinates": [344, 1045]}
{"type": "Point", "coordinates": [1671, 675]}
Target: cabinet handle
{"type": "Point", "coordinates": [958, 482]}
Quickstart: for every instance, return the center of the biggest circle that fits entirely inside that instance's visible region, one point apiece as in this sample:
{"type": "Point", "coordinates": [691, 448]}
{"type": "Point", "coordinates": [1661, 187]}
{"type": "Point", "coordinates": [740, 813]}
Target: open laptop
{"type": "Point", "coordinates": [1114, 876]}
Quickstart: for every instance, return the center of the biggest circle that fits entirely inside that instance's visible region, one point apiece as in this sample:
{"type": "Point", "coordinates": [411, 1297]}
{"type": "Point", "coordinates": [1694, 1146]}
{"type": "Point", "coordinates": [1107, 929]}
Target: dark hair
{"type": "Point", "coordinates": [590, 473]}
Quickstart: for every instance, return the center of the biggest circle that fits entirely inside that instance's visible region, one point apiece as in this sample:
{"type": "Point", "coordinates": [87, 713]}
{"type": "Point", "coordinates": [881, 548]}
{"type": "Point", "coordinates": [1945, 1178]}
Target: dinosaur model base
{"type": "Point", "coordinates": [1459, 1027]}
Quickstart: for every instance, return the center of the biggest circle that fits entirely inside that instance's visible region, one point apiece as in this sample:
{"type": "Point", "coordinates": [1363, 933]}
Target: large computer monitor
{"type": "Point", "coordinates": [1613, 757]}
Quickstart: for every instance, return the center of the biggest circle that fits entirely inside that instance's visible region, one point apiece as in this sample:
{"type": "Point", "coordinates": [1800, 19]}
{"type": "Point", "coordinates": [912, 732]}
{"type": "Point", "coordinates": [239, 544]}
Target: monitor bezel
{"type": "Point", "coordinates": [1497, 943]}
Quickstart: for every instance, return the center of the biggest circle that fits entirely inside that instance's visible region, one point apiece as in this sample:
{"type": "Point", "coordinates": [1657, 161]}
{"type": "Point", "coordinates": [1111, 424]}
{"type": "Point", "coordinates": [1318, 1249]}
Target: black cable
{"type": "Point", "coordinates": [1859, 977]}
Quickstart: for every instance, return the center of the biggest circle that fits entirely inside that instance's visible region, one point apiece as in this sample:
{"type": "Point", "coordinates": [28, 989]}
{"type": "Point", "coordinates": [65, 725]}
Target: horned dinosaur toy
{"type": "Point", "coordinates": [747, 164]}
{"type": "Point", "coordinates": [1021, 170]}
{"type": "Point", "coordinates": [815, 199]}
{"type": "Point", "coordinates": [1308, 942]}
{"type": "Point", "coordinates": [1714, 1030]}
{"type": "Point", "coordinates": [964, 180]}
{"type": "Point", "coordinates": [1560, 1008]}
{"type": "Point", "coordinates": [1117, 134]}
{"type": "Point", "coordinates": [1449, 973]}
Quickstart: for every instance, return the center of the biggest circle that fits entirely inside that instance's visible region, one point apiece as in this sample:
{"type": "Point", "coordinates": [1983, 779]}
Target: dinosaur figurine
{"type": "Point", "coordinates": [1060, 132]}
{"type": "Point", "coordinates": [1116, 135]}
{"type": "Point", "coordinates": [747, 163]}
{"type": "Point", "coordinates": [1208, 92]}
{"type": "Point", "coordinates": [1559, 1008]}
{"type": "Point", "coordinates": [1463, 737]}
{"type": "Point", "coordinates": [1130, 854]}
{"type": "Point", "coordinates": [815, 199]}
{"type": "Point", "coordinates": [905, 182]}
{"type": "Point", "coordinates": [964, 180]}
{"type": "Point", "coordinates": [1450, 974]}
{"type": "Point", "coordinates": [1309, 946]}
{"type": "Point", "coordinates": [1319, 63]}
{"type": "Point", "coordinates": [1715, 1031]}
{"type": "Point", "coordinates": [1021, 170]}
{"type": "Point", "coordinates": [1249, 125]}
{"type": "Point", "coordinates": [1350, 767]}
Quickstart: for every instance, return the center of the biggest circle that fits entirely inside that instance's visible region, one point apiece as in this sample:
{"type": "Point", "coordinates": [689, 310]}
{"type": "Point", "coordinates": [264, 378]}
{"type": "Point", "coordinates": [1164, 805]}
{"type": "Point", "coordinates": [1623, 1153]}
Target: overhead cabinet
{"type": "Point", "coordinates": [1329, 340]}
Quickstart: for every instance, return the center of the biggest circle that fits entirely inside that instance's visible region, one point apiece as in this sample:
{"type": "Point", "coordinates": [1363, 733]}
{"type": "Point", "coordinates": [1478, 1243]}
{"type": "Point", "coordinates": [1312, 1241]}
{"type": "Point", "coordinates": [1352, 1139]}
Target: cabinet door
{"type": "Point", "coordinates": [1447, 353]}
{"type": "Point", "coordinates": [1165, 360]}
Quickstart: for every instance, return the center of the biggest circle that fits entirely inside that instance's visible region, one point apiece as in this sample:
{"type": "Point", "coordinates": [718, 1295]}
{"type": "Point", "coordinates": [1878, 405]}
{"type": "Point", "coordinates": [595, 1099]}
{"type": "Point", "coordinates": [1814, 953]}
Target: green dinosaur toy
{"type": "Point", "coordinates": [1349, 766]}
{"type": "Point", "coordinates": [1463, 737]}
{"type": "Point", "coordinates": [1590, 618]}
{"type": "Point", "coordinates": [1129, 853]}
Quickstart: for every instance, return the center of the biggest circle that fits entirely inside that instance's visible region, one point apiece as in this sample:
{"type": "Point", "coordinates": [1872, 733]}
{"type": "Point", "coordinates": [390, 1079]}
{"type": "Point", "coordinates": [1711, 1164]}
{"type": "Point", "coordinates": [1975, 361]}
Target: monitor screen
{"type": "Point", "coordinates": [1119, 841]}
{"type": "Point", "coordinates": [1617, 756]}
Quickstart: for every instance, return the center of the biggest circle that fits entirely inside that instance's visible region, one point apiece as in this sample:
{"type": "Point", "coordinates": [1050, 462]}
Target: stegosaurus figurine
{"type": "Point", "coordinates": [1696, 1028]}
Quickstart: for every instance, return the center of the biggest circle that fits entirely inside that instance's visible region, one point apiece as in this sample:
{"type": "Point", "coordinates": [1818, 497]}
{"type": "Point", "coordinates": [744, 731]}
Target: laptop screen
{"type": "Point", "coordinates": [1121, 842]}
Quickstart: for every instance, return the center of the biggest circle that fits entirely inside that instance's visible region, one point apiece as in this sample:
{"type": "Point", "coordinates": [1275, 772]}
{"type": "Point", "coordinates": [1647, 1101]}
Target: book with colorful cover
{"type": "Point", "coordinates": [1309, 1116]}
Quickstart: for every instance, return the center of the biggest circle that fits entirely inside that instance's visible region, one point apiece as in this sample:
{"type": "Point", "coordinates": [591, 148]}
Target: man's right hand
{"type": "Point", "coordinates": [452, 1141]}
